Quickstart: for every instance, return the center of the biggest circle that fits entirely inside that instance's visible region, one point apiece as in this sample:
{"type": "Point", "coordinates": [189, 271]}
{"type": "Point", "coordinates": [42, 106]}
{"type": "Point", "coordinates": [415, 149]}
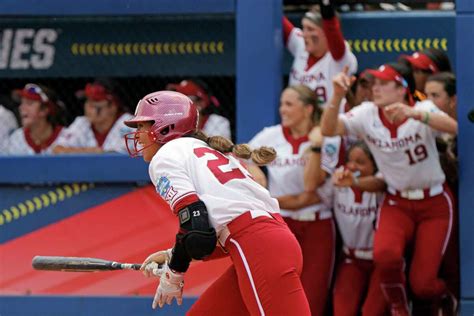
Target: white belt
{"type": "Point", "coordinates": [311, 217]}
{"type": "Point", "coordinates": [417, 194]}
{"type": "Point", "coordinates": [359, 253]}
{"type": "Point", "coordinates": [224, 233]}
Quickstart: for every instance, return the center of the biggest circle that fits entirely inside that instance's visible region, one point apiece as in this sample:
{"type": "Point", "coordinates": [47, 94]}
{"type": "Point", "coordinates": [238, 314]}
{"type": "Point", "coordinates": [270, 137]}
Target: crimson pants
{"type": "Point", "coordinates": [355, 281]}
{"type": "Point", "coordinates": [317, 240]}
{"type": "Point", "coordinates": [265, 276]}
{"type": "Point", "coordinates": [427, 223]}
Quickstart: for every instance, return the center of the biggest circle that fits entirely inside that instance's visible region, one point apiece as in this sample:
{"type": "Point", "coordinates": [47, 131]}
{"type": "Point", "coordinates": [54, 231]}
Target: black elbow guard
{"type": "Point", "coordinates": [196, 234]}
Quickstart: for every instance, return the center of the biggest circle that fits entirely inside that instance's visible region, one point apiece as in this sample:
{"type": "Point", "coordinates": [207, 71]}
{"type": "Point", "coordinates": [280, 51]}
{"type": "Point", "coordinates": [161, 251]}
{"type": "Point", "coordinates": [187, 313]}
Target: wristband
{"type": "Point", "coordinates": [355, 178]}
{"type": "Point", "coordinates": [316, 149]}
{"type": "Point", "coordinates": [426, 118]}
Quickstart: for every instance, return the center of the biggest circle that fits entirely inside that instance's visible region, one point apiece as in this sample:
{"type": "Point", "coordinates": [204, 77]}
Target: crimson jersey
{"type": "Point", "coordinates": [285, 173]}
{"type": "Point", "coordinates": [405, 154]}
{"type": "Point", "coordinates": [186, 169]}
{"type": "Point", "coordinates": [319, 76]}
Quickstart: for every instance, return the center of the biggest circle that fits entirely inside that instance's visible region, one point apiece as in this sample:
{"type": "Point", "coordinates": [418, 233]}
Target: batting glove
{"type": "Point", "coordinates": [171, 286]}
{"type": "Point", "coordinates": [152, 269]}
{"type": "Point", "coordinates": [151, 266]}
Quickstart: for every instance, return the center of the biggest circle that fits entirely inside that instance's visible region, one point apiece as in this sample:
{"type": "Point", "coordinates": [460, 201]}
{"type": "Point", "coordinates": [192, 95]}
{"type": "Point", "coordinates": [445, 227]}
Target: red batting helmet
{"type": "Point", "coordinates": [173, 115]}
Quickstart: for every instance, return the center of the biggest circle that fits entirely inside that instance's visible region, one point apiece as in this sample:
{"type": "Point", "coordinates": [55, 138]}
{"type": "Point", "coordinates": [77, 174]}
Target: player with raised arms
{"type": "Point", "coordinates": [216, 200]}
{"type": "Point", "coordinates": [418, 206]}
{"type": "Point", "coordinates": [319, 51]}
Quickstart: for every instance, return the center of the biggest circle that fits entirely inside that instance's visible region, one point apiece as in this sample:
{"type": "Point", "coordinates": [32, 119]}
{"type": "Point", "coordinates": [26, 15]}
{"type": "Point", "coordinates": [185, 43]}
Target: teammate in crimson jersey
{"type": "Point", "coordinates": [418, 206]}
{"type": "Point", "coordinates": [101, 128]}
{"type": "Point", "coordinates": [215, 199]}
{"type": "Point", "coordinates": [319, 51]}
{"type": "Point", "coordinates": [41, 119]}
{"type": "Point", "coordinates": [311, 221]}
{"type": "Point", "coordinates": [425, 63]}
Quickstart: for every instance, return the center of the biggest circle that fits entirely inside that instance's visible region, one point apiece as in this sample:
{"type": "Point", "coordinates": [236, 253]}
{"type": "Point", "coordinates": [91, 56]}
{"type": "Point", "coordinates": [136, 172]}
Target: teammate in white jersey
{"type": "Point", "coordinates": [41, 118]}
{"type": "Point", "coordinates": [210, 123]}
{"type": "Point", "coordinates": [101, 129]}
{"type": "Point", "coordinates": [355, 211]}
{"type": "Point", "coordinates": [319, 51]}
{"type": "Point", "coordinates": [418, 206]}
{"type": "Point", "coordinates": [311, 222]}
{"type": "Point", "coordinates": [215, 199]}
{"type": "Point", "coordinates": [8, 124]}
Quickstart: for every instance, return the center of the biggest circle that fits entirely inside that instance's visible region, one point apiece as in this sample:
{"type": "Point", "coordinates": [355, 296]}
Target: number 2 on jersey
{"type": "Point", "coordinates": [214, 164]}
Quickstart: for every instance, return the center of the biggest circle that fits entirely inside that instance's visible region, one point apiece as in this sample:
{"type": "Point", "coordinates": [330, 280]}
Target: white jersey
{"type": "Point", "coordinates": [81, 134]}
{"type": "Point", "coordinates": [187, 169]}
{"type": "Point", "coordinates": [8, 124]}
{"type": "Point", "coordinates": [355, 213]}
{"type": "Point", "coordinates": [286, 172]}
{"type": "Point", "coordinates": [406, 155]}
{"type": "Point", "coordinates": [319, 76]}
{"type": "Point", "coordinates": [217, 125]}
{"type": "Point", "coordinates": [21, 143]}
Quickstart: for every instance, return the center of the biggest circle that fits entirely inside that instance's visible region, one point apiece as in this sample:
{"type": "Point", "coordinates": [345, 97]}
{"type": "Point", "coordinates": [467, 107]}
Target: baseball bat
{"type": "Point", "coordinates": [80, 264]}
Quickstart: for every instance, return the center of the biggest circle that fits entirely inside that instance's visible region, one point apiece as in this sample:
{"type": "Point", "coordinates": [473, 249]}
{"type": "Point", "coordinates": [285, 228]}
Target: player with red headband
{"type": "Point", "coordinates": [417, 206]}
{"type": "Point", "coordinates": [425, 63]}
{"type": "Point", "coordinates": [216, 200]}
{"type": "Point", "coordinates": [41, 120]}
{"type": "Point", "coordinates": [210, 122]}
{"type": "Point", "coordinates": [101, 128]}
{"type": "Point", "coordinates": [319, 51]}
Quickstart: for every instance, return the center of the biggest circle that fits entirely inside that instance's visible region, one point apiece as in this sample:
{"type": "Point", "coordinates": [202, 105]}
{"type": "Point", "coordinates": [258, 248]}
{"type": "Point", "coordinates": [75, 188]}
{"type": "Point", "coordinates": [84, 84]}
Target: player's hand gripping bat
{"type": "Point", "coordinates": [80, 264]}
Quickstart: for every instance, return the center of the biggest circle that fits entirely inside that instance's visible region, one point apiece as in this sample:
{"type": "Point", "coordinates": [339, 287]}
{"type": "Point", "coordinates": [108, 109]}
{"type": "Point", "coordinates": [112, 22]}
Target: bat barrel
{"type": "Point", "coordinates": [79, 264]}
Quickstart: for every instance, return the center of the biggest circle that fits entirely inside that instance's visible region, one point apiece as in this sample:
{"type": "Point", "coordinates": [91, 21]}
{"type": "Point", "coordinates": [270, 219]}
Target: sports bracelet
{"type": "Point", "coordinates": [426, 118]}
{"type": "Point", "coordinates": [316, 149]}
{"type": "Point", "coordinates": [355, 178]}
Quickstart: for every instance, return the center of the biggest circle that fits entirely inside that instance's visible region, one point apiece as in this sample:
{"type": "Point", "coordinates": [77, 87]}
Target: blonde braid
{"type": "Point", "coordinates": [260, 156]}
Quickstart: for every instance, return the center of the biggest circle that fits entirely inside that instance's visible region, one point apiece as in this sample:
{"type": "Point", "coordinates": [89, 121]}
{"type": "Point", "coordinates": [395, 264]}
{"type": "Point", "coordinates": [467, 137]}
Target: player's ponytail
{"type": "Point", "coordinates": [260, 156]}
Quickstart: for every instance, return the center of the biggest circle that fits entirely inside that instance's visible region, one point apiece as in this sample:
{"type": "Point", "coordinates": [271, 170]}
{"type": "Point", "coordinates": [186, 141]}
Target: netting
{"type": "Point", "coordinates": [141, 54]}
{"type": "Point", "coordinates": [130, 90]}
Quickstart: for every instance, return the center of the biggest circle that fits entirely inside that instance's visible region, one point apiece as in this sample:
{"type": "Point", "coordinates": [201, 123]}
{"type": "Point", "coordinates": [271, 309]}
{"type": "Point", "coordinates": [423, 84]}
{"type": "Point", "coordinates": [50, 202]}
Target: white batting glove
{"type": "Point", "coordinates": [171, 286]}
{"type": "Point", "coordinates": [158, 258]}
{"type": "Point", "coordinates": [152, 269]}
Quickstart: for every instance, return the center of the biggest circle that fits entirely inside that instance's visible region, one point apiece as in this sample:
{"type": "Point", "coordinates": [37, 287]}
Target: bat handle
{"type": "Point", "coordinates": [136, 266]}
{"type": "Point", "coordinates": [125, 266]}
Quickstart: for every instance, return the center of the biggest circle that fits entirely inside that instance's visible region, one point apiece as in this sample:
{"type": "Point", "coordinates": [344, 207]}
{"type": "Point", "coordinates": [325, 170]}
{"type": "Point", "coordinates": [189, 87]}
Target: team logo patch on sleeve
{"type": "Point", "coordinates": [165, 189]}
{"type": "Point", "coordinates": [330, 149]}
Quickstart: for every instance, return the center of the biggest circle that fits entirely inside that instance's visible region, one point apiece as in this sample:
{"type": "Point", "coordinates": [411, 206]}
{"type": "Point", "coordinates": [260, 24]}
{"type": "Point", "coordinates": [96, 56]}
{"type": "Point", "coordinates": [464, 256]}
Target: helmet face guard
{"type": "Point", "coordinates": [134, 148]}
